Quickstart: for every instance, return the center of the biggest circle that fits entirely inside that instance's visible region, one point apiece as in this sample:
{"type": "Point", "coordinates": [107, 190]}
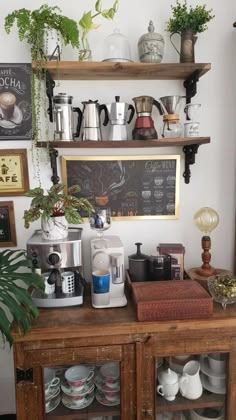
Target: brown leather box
{"type": "Point", "coordinates": [166, 300]}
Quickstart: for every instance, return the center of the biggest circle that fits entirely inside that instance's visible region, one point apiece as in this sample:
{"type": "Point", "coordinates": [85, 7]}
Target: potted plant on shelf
{"type": "Point", "coordinates": [187, 22]}
{"type": "Point", "coordinates": [56, 210]}
{"type": "Point", "coordinates": [86, 24]}
{"type": "Point", "coordinates": [35, 27]}
{"type": "Point", "coordinates": [15, 299]}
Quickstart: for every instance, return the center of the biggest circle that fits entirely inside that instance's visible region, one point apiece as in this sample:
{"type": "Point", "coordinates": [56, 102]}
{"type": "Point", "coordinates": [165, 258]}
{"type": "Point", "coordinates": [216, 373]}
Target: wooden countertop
{"type": "Point", "coordinates": [85, 321]}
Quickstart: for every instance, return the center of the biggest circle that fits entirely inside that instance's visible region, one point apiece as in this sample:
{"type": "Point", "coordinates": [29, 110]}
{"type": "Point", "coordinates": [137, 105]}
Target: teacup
{"type": "Point", "coordinates": [110, 372]}
{"type": "Point", "coordinates": [7, 105]}
{"type": "Point", "coordinates": [50, 380]}
{"type": "Point", "coordinates": [112, 395]}
{"type": "Point", "coordinates": [217, 362]}
{"type": "Point", "coordinates": [77, 376]}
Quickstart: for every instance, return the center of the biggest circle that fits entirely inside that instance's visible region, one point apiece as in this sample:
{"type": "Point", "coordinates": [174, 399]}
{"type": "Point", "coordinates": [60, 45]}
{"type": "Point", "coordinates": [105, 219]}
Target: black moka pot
{"type": "Point", "coordinates": [138, 265]}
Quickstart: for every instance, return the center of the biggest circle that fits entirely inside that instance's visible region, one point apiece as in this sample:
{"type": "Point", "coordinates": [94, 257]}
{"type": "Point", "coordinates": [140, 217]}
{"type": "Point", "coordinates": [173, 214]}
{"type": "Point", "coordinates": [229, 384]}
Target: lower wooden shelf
{"type": "Point", "coordinates": [207, 399]}
{"type": "Point", "coordinates": [94, 410]}
{"type": "Point", "coordinates": [113, 144]}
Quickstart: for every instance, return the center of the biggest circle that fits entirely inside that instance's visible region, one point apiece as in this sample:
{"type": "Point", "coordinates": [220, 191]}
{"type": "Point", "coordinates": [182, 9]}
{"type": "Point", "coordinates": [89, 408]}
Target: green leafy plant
{"type": "Point", "coordinates": [34, 27]}
{"type": "Point", "coordinates": [15, 300]}
{"type": "Point", "coordinates": [87, 23]}
{"type": "Point", "coordinates": [189, 18]}
{"type": "Point", "coordinates": [56, 203]}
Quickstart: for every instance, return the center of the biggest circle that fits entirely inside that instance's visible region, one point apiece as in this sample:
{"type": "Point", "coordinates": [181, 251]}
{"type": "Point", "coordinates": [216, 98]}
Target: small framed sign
{"type": "Point", "coordinates": [15, 101]}
{"type": "Point", "coordinates": [14, 177]}
{"type": "Point", "coordinates": [134, 187]}
{"type": "Point", "coordinates": [7, 224]}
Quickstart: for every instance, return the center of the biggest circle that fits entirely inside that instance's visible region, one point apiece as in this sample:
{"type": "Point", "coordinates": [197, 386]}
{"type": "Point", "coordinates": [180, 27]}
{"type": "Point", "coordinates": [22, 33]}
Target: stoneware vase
{"type": "Point", "coordinates": [54, 228]}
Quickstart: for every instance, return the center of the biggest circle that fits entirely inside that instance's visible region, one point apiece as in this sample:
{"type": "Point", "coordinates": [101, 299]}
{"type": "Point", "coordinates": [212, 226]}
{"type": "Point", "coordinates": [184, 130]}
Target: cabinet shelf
{"type": "Point", "coordinates": [76, 70]}
{"type": "Point", "coordinates": [111, 144]}
{"type": "Point", "coordinates": [95, 409]}
{"type": "Point", "coordinates": [207, 399]}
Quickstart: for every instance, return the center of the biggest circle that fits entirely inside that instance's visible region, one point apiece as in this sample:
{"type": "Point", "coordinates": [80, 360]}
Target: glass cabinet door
{"type": "Point", "coordinates": [89, 391]}
{"type": "Point", "coordinates": [191, 387]}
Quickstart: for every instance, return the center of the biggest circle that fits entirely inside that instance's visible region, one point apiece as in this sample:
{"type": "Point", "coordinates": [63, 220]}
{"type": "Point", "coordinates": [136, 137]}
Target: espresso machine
{"type": "Point", "coordinates": [63, 118]}
{"type": "Point", "coordinates": [144, 128]}
{"type": "Point", "coordinates": [118, 116]}
{"type": "Point", "coordinates": [60, 264]}
{"type": "Point", "coordinates": [108, 253]}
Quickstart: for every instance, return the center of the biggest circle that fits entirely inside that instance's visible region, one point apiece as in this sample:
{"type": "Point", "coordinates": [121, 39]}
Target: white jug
{"type": "Point", "coordinates": [190, 383]}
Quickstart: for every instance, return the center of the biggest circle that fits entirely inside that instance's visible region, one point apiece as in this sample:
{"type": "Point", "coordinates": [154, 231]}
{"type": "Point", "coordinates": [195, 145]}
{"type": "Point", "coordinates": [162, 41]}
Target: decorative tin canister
{"type": "Point", "coordinates": [151, 46]}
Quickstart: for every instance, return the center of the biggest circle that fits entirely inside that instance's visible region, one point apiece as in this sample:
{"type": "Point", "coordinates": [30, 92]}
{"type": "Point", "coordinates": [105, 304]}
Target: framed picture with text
{"type": "Point", "coordinates": [7, 224]}
{"type": "Point", "coordinates": [15, 101]}
{"type": "Point", "coordinates": [14, 177]}
{"type": "Point", "coordinates": [133, 187]}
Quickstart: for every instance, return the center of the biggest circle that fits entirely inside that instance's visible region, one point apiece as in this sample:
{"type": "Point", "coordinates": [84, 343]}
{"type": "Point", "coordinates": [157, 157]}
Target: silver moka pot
{"type": "Point", "coordinates": [90, 120]}
{"type": "Point", "coordinates": [118, 116]}
{"type": "Point", "coordinates": [63, 118]}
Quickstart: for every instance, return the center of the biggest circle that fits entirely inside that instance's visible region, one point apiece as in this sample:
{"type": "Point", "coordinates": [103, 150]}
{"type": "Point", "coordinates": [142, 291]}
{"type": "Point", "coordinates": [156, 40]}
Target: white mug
{"type": "Point", "coordinates": [190, 383]}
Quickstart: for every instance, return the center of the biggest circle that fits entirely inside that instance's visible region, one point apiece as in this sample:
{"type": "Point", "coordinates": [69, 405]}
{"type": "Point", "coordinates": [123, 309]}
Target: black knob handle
{"type": "Point", "coordinates": [53, 259]}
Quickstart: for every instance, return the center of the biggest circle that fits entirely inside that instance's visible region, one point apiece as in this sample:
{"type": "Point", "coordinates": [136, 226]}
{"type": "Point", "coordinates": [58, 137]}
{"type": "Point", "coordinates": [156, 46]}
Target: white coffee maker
{"type": "Point", "coordinates": [107, 253]}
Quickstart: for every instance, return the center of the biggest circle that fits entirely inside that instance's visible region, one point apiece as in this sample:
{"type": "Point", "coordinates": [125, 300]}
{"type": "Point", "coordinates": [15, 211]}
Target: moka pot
{"type": "Point", "coordinates": [118, 117]}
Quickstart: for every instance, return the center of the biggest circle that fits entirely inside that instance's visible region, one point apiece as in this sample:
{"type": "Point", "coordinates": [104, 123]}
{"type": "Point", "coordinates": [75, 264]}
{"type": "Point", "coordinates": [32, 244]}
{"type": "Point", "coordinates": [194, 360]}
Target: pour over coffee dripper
{"type": "Point", "coordinates": [170, 106]}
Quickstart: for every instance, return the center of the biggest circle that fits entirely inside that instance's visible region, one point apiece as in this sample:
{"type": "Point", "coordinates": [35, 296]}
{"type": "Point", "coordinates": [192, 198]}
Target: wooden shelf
{"type": "Point", "coordinates": [207, 399]}
{"type": "Point", "coordinates": [95, 409]}
{"type": "Point", "coordinates": [166, 142]}
{"type": "Point", "coordinates": [76, 70]}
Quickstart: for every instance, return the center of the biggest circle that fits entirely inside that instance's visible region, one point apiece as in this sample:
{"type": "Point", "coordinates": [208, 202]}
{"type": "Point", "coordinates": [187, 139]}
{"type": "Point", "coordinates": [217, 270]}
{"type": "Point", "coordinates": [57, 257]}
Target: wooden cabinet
{"type": "Point", "coordinates": [70, 336]}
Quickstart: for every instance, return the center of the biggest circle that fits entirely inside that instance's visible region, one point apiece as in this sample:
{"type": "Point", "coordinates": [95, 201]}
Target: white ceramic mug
{"type": "Point", "coordinates": [217, 363]}
{"type": "Point", "coordinates": [49, 288]}
{"type": "Point", "coordinates": [68, 282]}
{"type": "Point", "coordinates": [190, 382]}
{"type": "Point", "coordinates": [191, 129]}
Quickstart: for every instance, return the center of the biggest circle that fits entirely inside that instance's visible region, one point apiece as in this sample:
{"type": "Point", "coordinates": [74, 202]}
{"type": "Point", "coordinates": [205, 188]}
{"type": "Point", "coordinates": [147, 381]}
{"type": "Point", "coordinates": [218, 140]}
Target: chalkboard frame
{"type": "Point", "coordinates": [69, 163]}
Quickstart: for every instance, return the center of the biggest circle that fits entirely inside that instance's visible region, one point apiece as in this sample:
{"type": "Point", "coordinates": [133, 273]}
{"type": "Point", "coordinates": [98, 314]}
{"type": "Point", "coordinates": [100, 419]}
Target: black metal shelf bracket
{"type": "Point", "coordinates": [24, 375]}
{"type": "Point", "coordinates": [190, 153]}
{"type": "Point", "coordinates": [53, 159]}
{"type": "Point", "coordinates": [190, 85]}
{"type": "Point", "coordinates": [50, 84]}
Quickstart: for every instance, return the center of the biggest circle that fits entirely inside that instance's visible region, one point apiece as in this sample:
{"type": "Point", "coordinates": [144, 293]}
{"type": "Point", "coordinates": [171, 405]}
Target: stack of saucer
{"type": "Point", "coordinates": [213, 372]}
{"type": "Point", "coordinates": [51, 390]}
{"type": "Point", "coordinates": [78, 387]}
{"type": "Point", "coordinates": [107, 382]}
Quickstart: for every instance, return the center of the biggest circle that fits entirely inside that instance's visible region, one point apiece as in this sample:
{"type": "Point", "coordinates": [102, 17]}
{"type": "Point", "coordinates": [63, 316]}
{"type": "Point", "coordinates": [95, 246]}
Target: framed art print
{"type": "Point", "coordinates": [7, 224]}
{"type": "Point", "coordinates": [15, 102]}
{"type": "Point", "coordinates": [137, 187]}
{"type": "Point", "coordinates": [14, 177]}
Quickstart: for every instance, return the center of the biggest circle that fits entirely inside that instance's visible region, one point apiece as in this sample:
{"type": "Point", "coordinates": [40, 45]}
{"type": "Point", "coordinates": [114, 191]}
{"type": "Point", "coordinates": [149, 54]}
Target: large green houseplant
{"type": "Point", "coordinates": [188, 21]}
{"type": "Point", "coordinates": [16, 276]}
{"type": "Point", "coordinates": [34, 27]}
{"type": "Point", "coordinates": [53, 204]}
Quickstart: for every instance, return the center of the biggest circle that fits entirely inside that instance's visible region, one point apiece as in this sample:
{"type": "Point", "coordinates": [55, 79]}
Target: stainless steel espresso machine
{"type": "Point", "coordinates": [60, 264]}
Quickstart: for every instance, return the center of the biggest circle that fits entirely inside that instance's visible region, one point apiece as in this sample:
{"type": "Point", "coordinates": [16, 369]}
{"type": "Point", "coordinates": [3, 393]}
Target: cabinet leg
{"type": "Point", "coordinates": [231, 389]}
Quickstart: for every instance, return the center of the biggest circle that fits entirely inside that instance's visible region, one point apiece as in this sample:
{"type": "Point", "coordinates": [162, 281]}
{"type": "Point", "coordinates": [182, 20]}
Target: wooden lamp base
{"type": "Point", "coordinates": [206, 270]}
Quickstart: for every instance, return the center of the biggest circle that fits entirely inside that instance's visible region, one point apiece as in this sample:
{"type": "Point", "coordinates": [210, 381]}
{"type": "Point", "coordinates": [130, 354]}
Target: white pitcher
{"type": "Point", "coordinates": [190, 382]}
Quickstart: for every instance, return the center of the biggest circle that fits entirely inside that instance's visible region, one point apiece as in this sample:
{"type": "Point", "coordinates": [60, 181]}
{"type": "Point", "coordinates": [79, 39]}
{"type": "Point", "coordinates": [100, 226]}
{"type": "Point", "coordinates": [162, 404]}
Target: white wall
{"type": "Point", "coordinates": [212, 181]}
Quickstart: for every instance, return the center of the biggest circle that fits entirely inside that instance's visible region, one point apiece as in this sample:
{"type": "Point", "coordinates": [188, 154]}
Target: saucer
{"type": "Point", "coordinates": [205, 368]}
{"type": "Point", "coordinates": [104, 386]}
{"type": "Point", "coordinates": [211, 388]}
{"type": "Point", "coordinates": [70, 390]}
{"type": "Point", "coordinates": [15, 120]}
{"type": "Point", "coordinates": [67, 402]}
{"type": "Point", "coordinates": [103, 400]}
{"type": "Point", "coordinates": [53, 405]}
{"type": "Point", "coordinates": [51, 392]}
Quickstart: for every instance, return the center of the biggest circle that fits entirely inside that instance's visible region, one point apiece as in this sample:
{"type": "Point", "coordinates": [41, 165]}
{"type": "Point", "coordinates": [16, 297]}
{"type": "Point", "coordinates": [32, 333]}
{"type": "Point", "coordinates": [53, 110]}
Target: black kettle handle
{"type": "Point", "coordinates": [104, 108]}
{"type": "Point", "coordinates": [132, 111]}
{"type": "Point", "coordinates": [159, 107]}
{"type": "Point", "coordinates": [79, 121]}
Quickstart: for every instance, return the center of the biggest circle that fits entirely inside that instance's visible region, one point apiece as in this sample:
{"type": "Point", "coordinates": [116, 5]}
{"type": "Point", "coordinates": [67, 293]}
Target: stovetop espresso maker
{"type": "Point", "coordinates": [144, 126]}
{"type": "Point", "coordinates": [90, 120]}
{"type": "Point", "coordinates": [118, 116]}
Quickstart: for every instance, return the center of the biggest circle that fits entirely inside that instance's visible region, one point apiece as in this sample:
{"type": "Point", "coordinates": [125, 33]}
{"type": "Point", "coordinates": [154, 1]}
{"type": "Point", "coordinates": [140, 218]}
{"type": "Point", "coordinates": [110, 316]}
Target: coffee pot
{"type": "Point", "coordinates": [90, 120]}
{"type": "Point", "coordinates": [63, 118]}
{"type": "Point", "coordinates": [144, 126]}
{"type": "Point", "coordinates": [118, 116]}
{"type": "Point", "coordinates": [170, 106]}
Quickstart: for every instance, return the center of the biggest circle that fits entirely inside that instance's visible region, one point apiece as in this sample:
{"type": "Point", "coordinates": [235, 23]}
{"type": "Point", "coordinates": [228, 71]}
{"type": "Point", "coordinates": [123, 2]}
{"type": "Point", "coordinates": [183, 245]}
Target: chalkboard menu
{"type": "Point", "coordinates": [137, 187]}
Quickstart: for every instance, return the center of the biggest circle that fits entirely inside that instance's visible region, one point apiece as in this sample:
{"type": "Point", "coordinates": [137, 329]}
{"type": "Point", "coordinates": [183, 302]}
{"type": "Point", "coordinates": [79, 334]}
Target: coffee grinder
{"type": "Point", "coordinates": [144, 126]}
{"type": "Point", "coordinates": [107, 253]}
{"type": "Point", "coordinates": [60, 264]}
{"type": "Point", "coordinates": [170, 105]}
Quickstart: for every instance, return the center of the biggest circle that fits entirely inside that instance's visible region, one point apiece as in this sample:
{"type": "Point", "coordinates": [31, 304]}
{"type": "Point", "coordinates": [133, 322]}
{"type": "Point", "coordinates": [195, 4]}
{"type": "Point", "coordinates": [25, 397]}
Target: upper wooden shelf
{"type": "Point", "coordinates": [76, 70]}
{"type": "Point", "coordinates": [166, 142]}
